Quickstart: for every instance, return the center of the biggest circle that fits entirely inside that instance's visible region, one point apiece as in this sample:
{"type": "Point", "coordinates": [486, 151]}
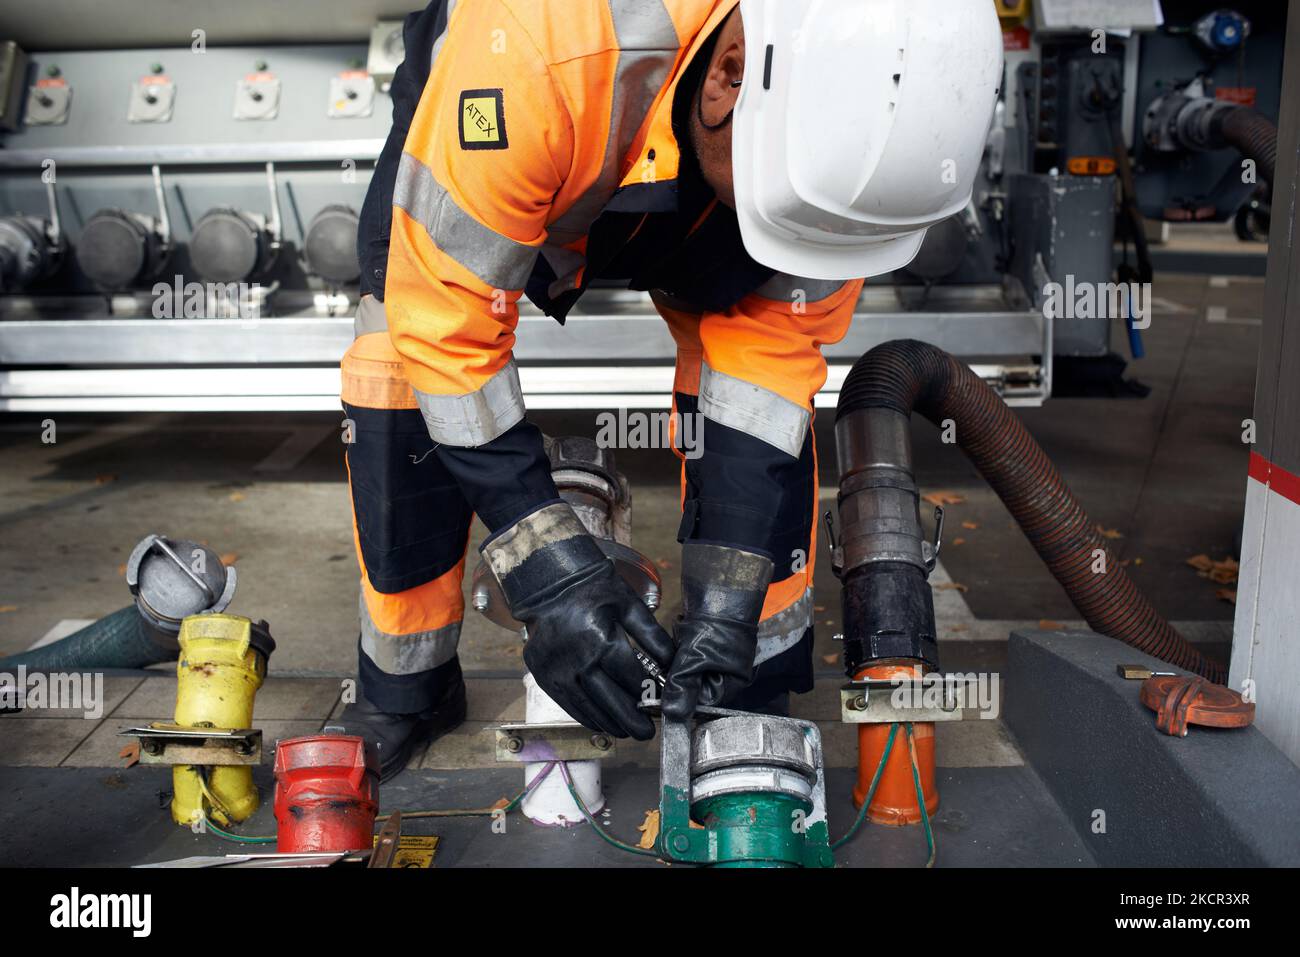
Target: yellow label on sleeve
{"type": "Point", "coordinates": [482, 120]}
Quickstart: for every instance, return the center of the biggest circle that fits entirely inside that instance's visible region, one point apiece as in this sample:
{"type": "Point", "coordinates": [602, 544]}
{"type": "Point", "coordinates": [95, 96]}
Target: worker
{"type": "Point", "coordinates": [748, 164]}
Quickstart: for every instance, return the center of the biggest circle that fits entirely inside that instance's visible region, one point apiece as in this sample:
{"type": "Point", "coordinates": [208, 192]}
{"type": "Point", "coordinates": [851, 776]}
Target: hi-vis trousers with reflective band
{"type": "Point", "coordinates": [731, 413]}
{"type": "Point", "coordinates": [411, 526]}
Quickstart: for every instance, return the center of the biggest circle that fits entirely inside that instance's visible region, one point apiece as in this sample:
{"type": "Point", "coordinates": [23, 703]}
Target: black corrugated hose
{"type": "Point", "coordinates": [906, 375]}
{"type": "Point", "coordinates": [1253, 134]}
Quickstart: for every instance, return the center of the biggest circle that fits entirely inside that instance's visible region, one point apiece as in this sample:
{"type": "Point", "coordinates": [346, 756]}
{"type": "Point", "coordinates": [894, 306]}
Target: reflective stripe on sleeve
{"type": "Point", "coordinates": [500, 262]}
{"type": "Point", "coordinates": [648, 45]}
{"type": "Point", "coordinates": [478, 417]}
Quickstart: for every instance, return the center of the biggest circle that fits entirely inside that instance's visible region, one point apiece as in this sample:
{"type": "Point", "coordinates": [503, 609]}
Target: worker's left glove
{"type": "Point", "coordinates": [717, 636]}
{"type": "Point", "coordinates": [579, 613]}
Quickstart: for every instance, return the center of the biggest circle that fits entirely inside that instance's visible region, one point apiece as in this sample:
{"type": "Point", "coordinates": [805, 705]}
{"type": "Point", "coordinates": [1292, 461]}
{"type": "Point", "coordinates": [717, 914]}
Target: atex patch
{"type": "Point", "coordinates": [482, 120]}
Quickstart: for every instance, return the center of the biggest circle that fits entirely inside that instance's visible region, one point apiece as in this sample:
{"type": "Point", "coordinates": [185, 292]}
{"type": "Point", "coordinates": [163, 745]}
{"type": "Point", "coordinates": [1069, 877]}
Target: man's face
{"type": "Point", "coordinates": [711, 117]}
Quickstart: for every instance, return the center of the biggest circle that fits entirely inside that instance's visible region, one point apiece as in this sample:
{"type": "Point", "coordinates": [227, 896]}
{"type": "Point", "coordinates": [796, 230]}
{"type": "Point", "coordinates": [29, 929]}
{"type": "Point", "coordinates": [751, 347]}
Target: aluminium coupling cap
{"type": "Point", "coordinates": [172, 579]}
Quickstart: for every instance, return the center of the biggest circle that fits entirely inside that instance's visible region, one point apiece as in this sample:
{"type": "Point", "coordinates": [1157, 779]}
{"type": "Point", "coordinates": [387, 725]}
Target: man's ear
{"type": "Point", "coordinates": [721, 84]}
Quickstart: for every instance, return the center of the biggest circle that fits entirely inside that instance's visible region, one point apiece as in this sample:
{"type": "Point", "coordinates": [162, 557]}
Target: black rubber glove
{"type": "Point", "coordinates": [579, 613]}
{"type": "Point", "coordinates": [722, 598]}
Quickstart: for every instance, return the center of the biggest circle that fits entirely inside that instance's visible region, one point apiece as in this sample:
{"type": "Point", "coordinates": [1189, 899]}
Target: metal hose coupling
{"type": "Point", "coordinates": [1187, 119]}
{"type": "Point", "coordinates": [883, 557]}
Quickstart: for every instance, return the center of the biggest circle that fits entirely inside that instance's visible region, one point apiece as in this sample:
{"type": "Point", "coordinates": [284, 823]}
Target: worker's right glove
{"type": "Point", "coordinates": [717, 635]}
{"type": "Point", "coordinates": [579, 613]}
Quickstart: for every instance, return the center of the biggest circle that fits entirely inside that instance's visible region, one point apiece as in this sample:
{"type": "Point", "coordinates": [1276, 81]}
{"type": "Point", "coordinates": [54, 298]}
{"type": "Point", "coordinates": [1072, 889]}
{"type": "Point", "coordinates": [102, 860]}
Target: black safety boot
{"type": "Point", "coordinates": [398, 736]}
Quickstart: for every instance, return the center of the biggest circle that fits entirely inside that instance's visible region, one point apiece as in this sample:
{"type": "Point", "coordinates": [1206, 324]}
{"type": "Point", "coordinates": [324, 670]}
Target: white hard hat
{"type": "Point", "coordinates": [860, 124]}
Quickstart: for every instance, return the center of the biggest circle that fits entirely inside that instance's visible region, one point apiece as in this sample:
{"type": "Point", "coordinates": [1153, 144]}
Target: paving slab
{"type": "Point", "coordinates": [44, 743]}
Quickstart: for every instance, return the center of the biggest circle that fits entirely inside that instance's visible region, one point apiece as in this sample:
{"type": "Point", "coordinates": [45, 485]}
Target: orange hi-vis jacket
{"type": "Point", "coordinates": [541, 155]}
{"type": "Point", "coordinates": [535, 115]}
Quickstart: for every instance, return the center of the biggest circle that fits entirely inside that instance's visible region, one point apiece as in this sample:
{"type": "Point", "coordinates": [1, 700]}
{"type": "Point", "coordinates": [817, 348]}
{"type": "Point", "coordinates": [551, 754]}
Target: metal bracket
{"type": "Point", "coordinates": [174, 744]}
{"type": "Point", "coordinates": [837, 551]}
{"type": "Point", "coordinates": [561, 741]}
{"type": "Point", "coordinates": [930, 550]}
{"type": "Point", "coordinates": [873, 702]}
{"type": "Point", "coordinates": [387, 842]}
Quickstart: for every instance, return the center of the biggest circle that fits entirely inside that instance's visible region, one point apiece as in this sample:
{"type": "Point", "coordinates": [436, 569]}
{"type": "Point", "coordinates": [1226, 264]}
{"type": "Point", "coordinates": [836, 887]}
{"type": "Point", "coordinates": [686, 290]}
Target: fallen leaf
{"type": "Point", "coordinates": [1046, 624]}
{"type": "Point", "coordinates": [1137, 561]}
{"type": "Point", "coordinates": [948, 586]}
{"type": "Point", "coordinates": [501, 804]}
{"type": "Point", "coordinates": [1222, 572]}
{"type": "Point", "coordinates": [969, 524]}
{"type": "Point", "coordinates": [663, 563]}
{"type": "Point", "coordinates": [130, 753]}
{"type": "Point", "coordinates": [236, 496]}
{"type": "Point", "coordinates": [1108, 532]}
{"type": "Point", "coordinates": [958, 541]}
{"type": "Point", "coordinates": [121, 569]}
{"type": "Point", "coordinates": [956, 627]}
{"type": "Point", "coordinates": [229, 558]}
{"type": "Point", "coordinates": [649, 829]}
{"type": "Point", "coordinates": [830, 659]}
{"type": "Point", "coordinates": [1227, 594]}
{"type": "Point", "coordinates": [819, 607]}
{"type": "Point", "coordinates": [7, 608]}
{"type": "Point", "coordinates": [1225, 572]}
{"type": "Point", "coordinates": [943, 498]}
{"type": "Point", "coordinates": [105, 479]}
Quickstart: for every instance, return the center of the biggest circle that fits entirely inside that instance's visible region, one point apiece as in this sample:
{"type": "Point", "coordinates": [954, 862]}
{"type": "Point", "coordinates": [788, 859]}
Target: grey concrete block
{"type": "Point", "coordinates": [1214, 798]}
